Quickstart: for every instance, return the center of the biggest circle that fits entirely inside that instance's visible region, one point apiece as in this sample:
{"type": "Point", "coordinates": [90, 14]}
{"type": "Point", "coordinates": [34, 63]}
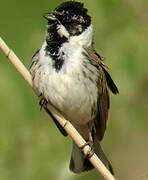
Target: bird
{"type": "Point", "coordinates": [70, 75]}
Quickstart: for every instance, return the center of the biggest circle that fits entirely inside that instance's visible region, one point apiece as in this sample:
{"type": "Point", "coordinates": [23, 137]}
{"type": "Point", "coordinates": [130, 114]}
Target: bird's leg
{"type": "Point", "coordinates": [90, 139]}
{"type": "Point", "coordinates": [43, 103]}
{"type": "Point", "coordinates": [89, 142]}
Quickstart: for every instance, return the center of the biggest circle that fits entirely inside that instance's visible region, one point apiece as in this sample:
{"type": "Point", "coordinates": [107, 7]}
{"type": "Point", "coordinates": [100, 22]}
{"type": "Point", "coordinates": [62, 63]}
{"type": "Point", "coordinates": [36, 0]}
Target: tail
{"type": "Point", "coordinates": [79, 163]}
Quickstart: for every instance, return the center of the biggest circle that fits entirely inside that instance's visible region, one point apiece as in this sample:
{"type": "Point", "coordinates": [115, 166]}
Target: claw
{"type": "Point", "coordinates": [43, 102]}
{"type": "Point", "coordinates": [90, 152]}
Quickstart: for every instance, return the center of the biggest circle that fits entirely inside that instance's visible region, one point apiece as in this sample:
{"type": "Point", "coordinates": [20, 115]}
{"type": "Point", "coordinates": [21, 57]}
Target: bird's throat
{"type": "Point", "coordinates": [54, 43]}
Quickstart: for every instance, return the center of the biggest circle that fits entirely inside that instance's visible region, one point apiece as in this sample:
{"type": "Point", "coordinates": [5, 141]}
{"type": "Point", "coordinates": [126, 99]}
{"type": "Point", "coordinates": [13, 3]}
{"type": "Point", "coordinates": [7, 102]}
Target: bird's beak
{"type": "Point", "coordinates": [49, 17]}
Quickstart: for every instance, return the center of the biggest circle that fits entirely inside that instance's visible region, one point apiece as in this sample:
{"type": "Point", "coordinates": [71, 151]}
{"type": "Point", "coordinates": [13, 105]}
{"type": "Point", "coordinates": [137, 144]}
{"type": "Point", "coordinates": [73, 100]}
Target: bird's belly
{"type": "Point", "coordinates": [75, 97]}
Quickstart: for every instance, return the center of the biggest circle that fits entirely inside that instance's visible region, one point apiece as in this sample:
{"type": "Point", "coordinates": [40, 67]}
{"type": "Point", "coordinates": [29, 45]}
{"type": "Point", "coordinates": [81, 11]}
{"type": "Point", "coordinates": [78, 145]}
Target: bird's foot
{"type": "Point", "coordinates": [43, 103]}
{"type": "Point", "coordinates": [90, 151]}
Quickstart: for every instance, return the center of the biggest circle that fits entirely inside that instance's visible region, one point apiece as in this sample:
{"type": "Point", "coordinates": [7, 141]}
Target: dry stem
{"type": "Point", "coordinates": [96, 162]}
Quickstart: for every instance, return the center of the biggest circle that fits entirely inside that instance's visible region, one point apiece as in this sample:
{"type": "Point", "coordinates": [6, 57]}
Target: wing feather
{"type": "Point", "coordinates": [105, 82]}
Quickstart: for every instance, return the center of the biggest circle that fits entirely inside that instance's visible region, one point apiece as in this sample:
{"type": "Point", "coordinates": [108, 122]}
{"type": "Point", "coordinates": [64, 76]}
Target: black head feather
{"type": "Point", "coordinates": [73, 16]}
{"type": "Point", "coordinates": [73, 7]}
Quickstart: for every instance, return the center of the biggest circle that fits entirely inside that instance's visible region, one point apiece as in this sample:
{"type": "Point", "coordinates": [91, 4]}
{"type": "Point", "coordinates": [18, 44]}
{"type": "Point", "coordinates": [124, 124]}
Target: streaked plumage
{"type": "Point", "coordinates": [68, 73]}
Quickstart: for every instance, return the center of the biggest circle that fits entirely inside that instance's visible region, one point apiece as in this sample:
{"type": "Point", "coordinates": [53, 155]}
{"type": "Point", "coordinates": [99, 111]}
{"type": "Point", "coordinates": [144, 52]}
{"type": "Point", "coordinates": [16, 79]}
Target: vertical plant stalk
{"type": "Point", "coordinates": [72, 132]}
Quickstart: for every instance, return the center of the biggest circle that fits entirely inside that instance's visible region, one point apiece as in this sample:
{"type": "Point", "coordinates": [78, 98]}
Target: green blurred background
{"type": "Point", "coordinates": [31, 148]}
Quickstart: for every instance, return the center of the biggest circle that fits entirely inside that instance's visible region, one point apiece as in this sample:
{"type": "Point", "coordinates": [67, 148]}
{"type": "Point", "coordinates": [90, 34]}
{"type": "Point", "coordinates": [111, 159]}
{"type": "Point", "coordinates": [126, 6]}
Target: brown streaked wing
{"type": "Point", "coordinates": [103, 106]}
{"type": "Point", "coordinates": [94, 56]}
{"type": "Point", "coordinates": [103, 97]}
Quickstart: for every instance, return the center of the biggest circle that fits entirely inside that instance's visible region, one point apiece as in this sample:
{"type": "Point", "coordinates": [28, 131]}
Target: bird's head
{"type": "Point", "coordinates": [69, 20]}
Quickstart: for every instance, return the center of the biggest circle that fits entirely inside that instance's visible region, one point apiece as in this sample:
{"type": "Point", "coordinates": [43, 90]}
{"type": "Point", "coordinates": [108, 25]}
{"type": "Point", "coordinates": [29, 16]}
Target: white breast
{"type": "Point", "coordinates": [70, 89]}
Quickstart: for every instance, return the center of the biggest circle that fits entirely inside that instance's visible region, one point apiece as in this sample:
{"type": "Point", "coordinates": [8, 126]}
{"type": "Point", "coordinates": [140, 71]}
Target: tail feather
{"type": "Point", "coordinates": [79, 163]}
{"type": "Point", "coordinates": [99, 152]}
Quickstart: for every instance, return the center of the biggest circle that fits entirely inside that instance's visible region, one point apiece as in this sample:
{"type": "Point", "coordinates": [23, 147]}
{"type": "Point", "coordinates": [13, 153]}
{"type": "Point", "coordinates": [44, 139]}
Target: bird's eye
{"type": "Point", "coordinates": [79, 19]}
